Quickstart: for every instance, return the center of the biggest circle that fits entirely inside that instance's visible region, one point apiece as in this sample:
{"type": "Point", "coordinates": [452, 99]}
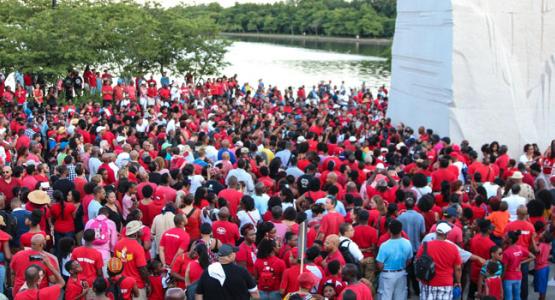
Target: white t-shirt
{"type": "Point", "coordinates": [252, 217]}
{"type": "Point", "coordinates": [514, 201]}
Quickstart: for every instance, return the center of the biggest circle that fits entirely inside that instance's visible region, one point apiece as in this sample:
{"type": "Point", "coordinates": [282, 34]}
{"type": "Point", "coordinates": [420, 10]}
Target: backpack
{"type": "Point", "coordinates": [424, 266]}
{"type": "Point", "coordinates": [266, 278]}
{"type": "Point", "coordinates": [115, 290]}
{"type": "Point", "coordinates": [347, 255]}
{"type": "Point", "coordinates": [101, 232]}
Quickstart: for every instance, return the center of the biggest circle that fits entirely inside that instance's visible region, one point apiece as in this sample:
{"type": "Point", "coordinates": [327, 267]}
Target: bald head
{"type": "Point", "coordinates": [37, 242]}
{"type": "Point", "coordinates": [522, 212]}
{"type": "Point", "coordinates": [332, 242]}
{"type": "Point", "coordinates": [223, 213]}
{"type": "Point", "coordinates": [175, 294]}
{"type": "Point", "coordinates": [332, 177]}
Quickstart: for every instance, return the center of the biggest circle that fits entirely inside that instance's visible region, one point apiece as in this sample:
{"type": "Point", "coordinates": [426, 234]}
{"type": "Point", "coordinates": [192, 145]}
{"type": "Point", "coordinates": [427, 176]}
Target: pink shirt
{"type": "Point", "coordinates": [108, 247]}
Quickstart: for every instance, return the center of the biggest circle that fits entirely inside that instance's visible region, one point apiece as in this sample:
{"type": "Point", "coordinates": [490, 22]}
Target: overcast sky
{"type": "Point", "coordinates": [225, 3]}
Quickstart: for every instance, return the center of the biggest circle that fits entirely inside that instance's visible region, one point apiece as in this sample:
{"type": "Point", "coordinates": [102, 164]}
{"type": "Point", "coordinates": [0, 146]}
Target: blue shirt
{"type": "Point", "coordinates": [339, 207]}
{"type": "Point", "coordinates": [94, 207]}
{"type": "Point", "coordinates": [165, 81]}
{"type": "Point", "coordinates": [414, 225]}
{"type": "Point", "coordinates": [394, 254]}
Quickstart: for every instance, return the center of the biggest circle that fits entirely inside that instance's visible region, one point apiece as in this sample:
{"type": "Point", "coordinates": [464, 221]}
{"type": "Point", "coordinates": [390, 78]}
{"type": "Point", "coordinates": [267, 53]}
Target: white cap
{"type": "Point", "coordinates": [443, 228]}
{"type": "Point", "coordinates": [380, 166]}
{"type": "Point", "coordinates": [301, 139]}
{"type": "Point", "coordinates": [99, 129]}
{"type": "Point", "coordinates": [352, 139]}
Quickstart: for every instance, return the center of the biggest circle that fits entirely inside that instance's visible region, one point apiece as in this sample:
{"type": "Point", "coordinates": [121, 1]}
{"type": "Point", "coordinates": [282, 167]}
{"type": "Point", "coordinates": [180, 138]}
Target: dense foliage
{"type": "Point", "coordinates": [126, 36]}
{"type": "Point", "coordinates": [365, 18]}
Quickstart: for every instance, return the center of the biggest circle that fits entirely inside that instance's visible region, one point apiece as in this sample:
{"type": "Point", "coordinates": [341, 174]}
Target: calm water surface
{"type": "Point", "coordinates": [298, 62]}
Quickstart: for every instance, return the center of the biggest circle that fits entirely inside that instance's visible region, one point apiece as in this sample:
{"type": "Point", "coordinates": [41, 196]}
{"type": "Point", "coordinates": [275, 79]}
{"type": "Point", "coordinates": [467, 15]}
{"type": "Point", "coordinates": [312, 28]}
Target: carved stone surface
{"type": "Point", "coordinates": [476, 70]}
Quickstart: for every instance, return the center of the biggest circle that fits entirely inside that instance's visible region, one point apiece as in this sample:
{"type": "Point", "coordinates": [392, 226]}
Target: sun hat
{"type": "Point", "coordinates": [133, 227]}
{"type": "Point", "coordinates": [38, 197]}
{"type": "Point", "coordinates": [517, 175]}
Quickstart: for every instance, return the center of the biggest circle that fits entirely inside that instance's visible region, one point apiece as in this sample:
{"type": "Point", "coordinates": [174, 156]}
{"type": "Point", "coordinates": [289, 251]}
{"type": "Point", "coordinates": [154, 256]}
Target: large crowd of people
{"type": "Point", "coordinates": [222, 190]}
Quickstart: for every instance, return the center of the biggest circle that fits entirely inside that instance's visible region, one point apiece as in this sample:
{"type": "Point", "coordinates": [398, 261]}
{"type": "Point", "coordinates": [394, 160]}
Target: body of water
{"type": "Point", "coordinates": [294, 63]}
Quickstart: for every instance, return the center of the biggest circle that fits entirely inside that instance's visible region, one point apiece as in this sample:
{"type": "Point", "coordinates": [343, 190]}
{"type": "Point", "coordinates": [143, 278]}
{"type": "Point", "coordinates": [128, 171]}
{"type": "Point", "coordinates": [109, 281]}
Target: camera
{"type": "Point", "coordinates": [35, 258]}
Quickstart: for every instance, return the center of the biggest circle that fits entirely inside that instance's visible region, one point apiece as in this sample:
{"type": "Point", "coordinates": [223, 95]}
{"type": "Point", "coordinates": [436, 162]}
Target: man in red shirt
{"type": "Point", "coordinates": [173, 239]}
{"type": "Point", "coordinates": [360, 289]}
{"type": "Point", "coordinates": [331, 221]}
{"type": "Point", "coordinates": [366, 238]}
{"type": "Point", "coordinates": [442, 174]}
{"type": "Point", "coordinates": [107, 93]}
{"type": "Point", "coordinates": [132, 255]}
{"type": "Point", "coordinates": [224, 230]}
{"type": "Point", "coordinates": [89, 258]}
{"type": "Point", "coordinates": [232, 195]}
{"type": "Point", "coordinates": [332, 247]}
{"type": "Point", "coordinates": [34, 256]}
{"type": "Point", "coordinates": [480, 245]}
{"type": "Point", "coordinates": [8, 183]}
{"type": "Point", "coordinates": [447, 266]}
{"type": "Point", "coordinates": [527, 231]}
{"type": "Point", "coordinates": [33, 280]}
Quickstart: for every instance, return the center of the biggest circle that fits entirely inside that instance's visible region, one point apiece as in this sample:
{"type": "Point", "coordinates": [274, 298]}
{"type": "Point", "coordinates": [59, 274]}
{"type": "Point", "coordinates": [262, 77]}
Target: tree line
{"type": "Point", "coordinates": [364, 18]}
{"type": "Point", "coordinates": [128, 37]}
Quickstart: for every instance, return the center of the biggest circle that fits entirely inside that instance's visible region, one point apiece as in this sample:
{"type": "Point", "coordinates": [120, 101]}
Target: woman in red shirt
{"type": "Point", "coordinates": [268, 269]}
{"type": "Point", "coordinates": [38, 94]}
{"type": "Point", "coordinates": [62, 214]}
{"type": "Point", "coordinates": [188, 267]}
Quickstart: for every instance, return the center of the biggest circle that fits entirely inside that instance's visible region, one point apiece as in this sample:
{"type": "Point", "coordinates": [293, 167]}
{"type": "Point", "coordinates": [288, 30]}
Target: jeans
{"type": "Point", "coordinates": [273, 295]}
{"type": "Point", "coordinates": [2, 278]}
{"type": "Point", "coordinates": [393, 286]}
{"type": "Point", "coordinates": [511, 289]}
{"type": "Point", "coordinates": [524, 282]}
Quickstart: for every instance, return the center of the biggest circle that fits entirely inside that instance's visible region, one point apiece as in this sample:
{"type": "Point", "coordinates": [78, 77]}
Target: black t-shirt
{"type": "Point", "coordinates": [155, 177]}
{"type": "Point", "coordinates": [303, 182]}
{"type": "Point", "coordinates": [64, 185]}
{"type": "Point", "coordinates": [236, 286]}
{"type": "Point", "coordinates": [213, 186]}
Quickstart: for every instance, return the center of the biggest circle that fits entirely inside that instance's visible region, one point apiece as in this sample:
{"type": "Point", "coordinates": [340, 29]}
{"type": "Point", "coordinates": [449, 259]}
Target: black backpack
{"type": "Point", "coordinates": [115, 290]}
{"type": "Point", "coordinates": [347, 255]}
{"type": "Point", "coordinates": [424, 266]}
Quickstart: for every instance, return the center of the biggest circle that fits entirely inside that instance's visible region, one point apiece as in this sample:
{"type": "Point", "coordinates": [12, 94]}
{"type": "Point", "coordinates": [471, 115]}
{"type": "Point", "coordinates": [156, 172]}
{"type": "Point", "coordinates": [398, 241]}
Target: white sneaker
{"type": "Point", "coordinates": [551, 282]}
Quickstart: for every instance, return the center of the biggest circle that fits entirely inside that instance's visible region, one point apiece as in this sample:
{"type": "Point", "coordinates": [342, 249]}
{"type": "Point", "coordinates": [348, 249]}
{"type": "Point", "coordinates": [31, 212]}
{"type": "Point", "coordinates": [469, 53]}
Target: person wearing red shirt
{"type": "Point", "coordinates": [20, 94]}
{"type": "Point", "coordinates": [480, 245]}
{"type": "Point", "coordinates": [127, 285]}
{"type": "Point", "coordinates": [331, 221]}
{"type": "Point", "coordinates": [224, 230]}
{"type": "Point", "coordinates": [527, 231]}
{"type": "Point", "coordinates": [246, 256]}
{"type": "Point", "coordinates": [63, 214]}
{"type": "Point", "coordinates": [133, 257]}
{"type": "Point", "coordinates": [34, 280]}
{"type": "Point", "coordinates": [232, 195]}
{"type": "Point", "coordinates": [76, 288]}
{"type": "Point", "coordinates": [118, 92]}
{"type": "Point", "coordinates": [8, 183]}
{"type": "Point", "coordinates": [442, 174]}
{"type": "Point", "coordinates": [268, 269]}
{"type": "Point", "coordinates": [22, 260]}
{"type": "Point", "coordinates": [359, 289]}
{"type": "Point", "coordinates": [514, 257]}
{"type": "Point", "coordinates": [447, 265]}
{"type": "Point", "coordinates": [172, 239]}
{"type": "Point", "coordinates": [89, 258]}
{"type": "Point", "coordinates": [366, 238]}
{"type": "Point", "coordinates": [107, 93]}
{"type": "Point", "coordinates": [331, 245]}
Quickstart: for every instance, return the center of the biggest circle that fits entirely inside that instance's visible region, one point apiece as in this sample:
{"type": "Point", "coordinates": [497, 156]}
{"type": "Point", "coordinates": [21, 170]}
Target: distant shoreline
{"type": "Point", "coordinates": [346, 40]}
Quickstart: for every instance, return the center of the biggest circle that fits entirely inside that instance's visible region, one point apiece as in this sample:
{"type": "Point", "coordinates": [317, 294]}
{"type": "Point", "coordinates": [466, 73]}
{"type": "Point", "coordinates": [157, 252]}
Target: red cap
{"type": "Point", "coordinates": [307, 280]}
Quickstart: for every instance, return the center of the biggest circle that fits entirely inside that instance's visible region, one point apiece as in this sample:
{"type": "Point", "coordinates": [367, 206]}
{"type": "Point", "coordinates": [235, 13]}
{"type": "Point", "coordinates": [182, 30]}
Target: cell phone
{"type": "Point", "coordinates": [35, 258]}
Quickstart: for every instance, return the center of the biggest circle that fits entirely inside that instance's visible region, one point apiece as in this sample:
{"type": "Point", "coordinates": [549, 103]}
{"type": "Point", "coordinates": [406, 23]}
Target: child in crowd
{"type": "Point", "coordinates": [499, 219]}
{"type": "Point", "coordinates": [156, 274]}
{"type": "Point", "coordinates": [496, 255]}
{"type": "Point", "coordinates": [76, 289]}
{"type": "Point", "coordinates": [329, 291]}
{"type": "Point", "coordinates": [334, 279]}
{"type": "Point", "coordinates": [541, 269]}
{"type": "Point", "coordinates": [493, 285]}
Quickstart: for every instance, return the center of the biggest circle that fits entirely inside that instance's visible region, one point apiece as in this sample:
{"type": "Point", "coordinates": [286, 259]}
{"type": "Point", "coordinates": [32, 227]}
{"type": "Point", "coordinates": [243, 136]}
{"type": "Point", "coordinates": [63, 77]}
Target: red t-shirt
{"type": "Point", "coordinates": [441, 175]}
{"type": "Point", "coordinates": [360, 289]}
{"type": "Point", "coordinates": [267, 265]}
{"type": "Point", "coordinates": [526, 232]}
{"type": "Point", "coordinates": [126, 287]}
{"type": "Point", "coordinates": [90, 260]}
{"type": "Point", "coordinates": [494, 285]}
{"type": "Point", "coordinates": [73, 288]}
{"type": "Point", "coordinates": [365, 236]}
{"type": "Point", "coordinates": [512, 257]}
{"type": "Point", "coordinates": [233, 198]}
{"type": "Point", "coordinates": [330, 223]}
{"type": "Point", "coordinates": [480, 246]}
{"type": "Point", "coordinates": [132, 255]}
{"type": "Point", "coordinates": [247, 254]}
{"type": "Point", "coordinates": [334, 256]}
{"type": "Point", "coordinates": [63, 223]}
{"type": "Point", "coordinates": [446, 256]}
{"type": "Point", "coordinates": [46, 293]}
{"type": "Point", "coordinates": [157, 291]}
{"type": "Point", "coordinates": [172, 239]}
{"type": "Point", "coordinates": [25, 238]}
{"type": "Point", "coordinates": [225, 231]}
{"type": "Point", "coordinates": [107, 92]}
{"type": "Point", "coordinates": [21, 261]}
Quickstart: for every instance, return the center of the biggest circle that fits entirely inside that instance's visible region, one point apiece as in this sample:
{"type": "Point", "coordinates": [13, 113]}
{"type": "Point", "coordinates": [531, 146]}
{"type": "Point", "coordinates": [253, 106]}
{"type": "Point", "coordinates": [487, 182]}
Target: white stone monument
{"type": "Point", "coordinates": [480, 70]}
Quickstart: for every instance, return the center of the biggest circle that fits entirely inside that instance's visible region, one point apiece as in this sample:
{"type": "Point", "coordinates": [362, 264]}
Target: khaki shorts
{"type": "Point", "coordinates": [368, 266]}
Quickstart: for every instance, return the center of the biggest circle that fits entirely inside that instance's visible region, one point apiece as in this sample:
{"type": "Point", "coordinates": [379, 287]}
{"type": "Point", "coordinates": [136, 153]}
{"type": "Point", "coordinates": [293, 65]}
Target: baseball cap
{"type": "Point", "coordinates": [443, 228]}
{"type": "Point", "coordinates": [226, 250]}
{"type": "Point", "coordinates": [115, 265]}
{"type": "Point", "coordinates": [307, 280]}
{"type": "Point", "coordinates": [450, 212]}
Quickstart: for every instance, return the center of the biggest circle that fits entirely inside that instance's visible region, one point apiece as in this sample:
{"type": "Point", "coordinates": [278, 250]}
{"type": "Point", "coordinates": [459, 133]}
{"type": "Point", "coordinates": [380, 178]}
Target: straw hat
{"type": "Point", "coordinates": [39, 197]}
